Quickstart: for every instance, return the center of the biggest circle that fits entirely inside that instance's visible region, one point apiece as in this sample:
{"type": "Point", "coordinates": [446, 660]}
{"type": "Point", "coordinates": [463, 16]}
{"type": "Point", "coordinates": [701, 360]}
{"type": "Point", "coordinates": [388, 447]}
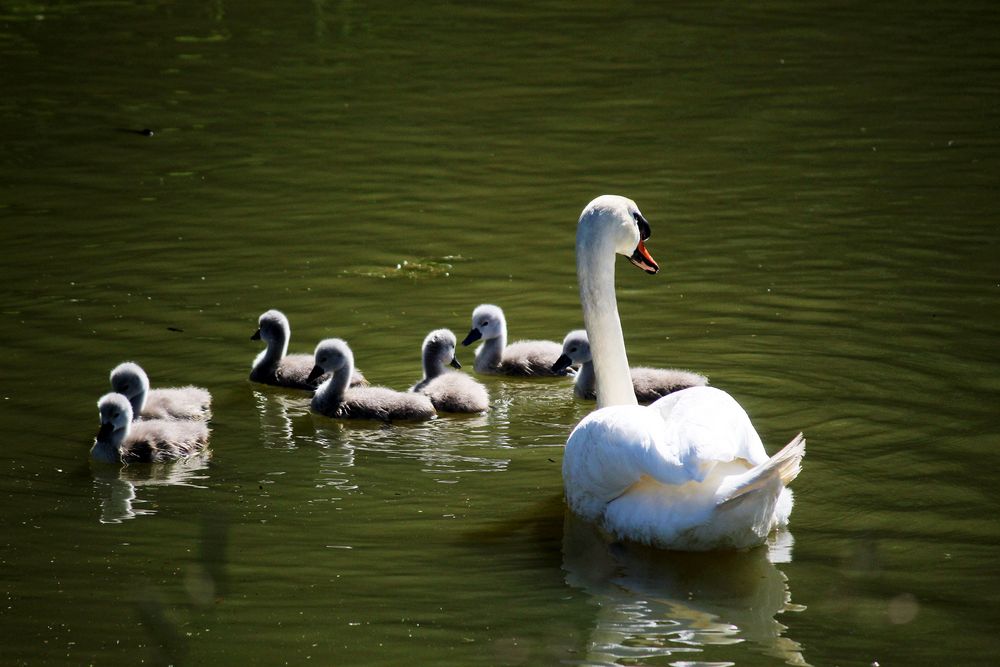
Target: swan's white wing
{"type": "Point", "coordinates": [711, 424]}
{"type": "Point", "coordinates": [612, 449]}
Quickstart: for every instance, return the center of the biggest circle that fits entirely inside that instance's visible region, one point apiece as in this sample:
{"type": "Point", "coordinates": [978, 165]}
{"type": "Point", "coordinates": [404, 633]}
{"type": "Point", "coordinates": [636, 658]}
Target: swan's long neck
{"type": "Point", "coordinates": [432, 365]}
{"type": "Point", "coordinates": [595, 270]}
{"type": "Point", "coordinates": [584, 384]}
{"type": "Point", "coordinates": [331, 392]}
{"type": "Point", "coordinates": [275, 351]}
{"type": "Point", "coordinates": [109, 451]}
{"type": "Point", "coordinates": [490, 353]}
{"type": "Point", "coordinates": [138, 401]}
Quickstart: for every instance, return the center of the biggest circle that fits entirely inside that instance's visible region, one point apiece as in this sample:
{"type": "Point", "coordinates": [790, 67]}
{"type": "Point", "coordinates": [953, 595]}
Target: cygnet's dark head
{"type": "Point", "coordinates": [487, 323]}
{"type": "Point", "coordinates": [331, 355]}
{"type": "Point", "coordinates": [272, 327]}
{"type": "Point", "coordinates": [129, 379]}
{"type": "Point", "coordinates": [116, 414]}
{"type": "Point", "coordinates": [439, 349]}
{"type": "Point", "coordinates": [575, 351]}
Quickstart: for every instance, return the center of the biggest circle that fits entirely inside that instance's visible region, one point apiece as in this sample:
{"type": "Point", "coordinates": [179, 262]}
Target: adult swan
{"type": "Point", "coordinates": [688, 472]}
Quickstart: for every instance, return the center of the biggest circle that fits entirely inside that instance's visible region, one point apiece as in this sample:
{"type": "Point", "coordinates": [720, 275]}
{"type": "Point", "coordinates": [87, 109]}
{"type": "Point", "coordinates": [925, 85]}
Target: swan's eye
{"type": "Point", "coordinates": [572, 350]}
{"type": "Point", "coordinates": [485, 323]}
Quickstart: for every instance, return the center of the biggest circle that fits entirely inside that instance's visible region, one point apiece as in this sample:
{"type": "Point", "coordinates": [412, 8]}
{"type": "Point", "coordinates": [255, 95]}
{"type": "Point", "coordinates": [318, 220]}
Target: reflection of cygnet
{"type": "Point", "coordinates": [449, 391]}
{"type": "Point", "coordinates": [523, 358]}
{"type": "Point", "coordinates": [669, 601]}
{"type": "Point", "coordinates": [120, 440]}
{"type": "Point", "coordinates": [275, 367]}
{"type": "Point", "coordinates": [334, 398]}
{"type": "Point", "coordinates": [174, 403]}
{"type": "Point", "coordinates": [649, 383]}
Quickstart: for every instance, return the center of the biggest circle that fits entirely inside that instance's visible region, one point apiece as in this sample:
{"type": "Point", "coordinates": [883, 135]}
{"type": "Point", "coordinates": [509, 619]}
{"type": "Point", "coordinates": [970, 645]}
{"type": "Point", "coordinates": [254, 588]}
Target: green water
{"type": "Point", "coordinates": [821, 183]}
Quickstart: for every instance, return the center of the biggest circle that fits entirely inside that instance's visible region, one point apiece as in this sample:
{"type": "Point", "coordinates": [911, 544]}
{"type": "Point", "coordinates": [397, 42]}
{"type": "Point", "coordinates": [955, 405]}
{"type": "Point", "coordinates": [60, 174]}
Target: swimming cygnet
{"type": "Point", "coordinates": [449, 391]}
{"type": "Point", "coordinates": [649, 383]}
{"type": "Point", "coordinates": [120, 440]}
{"type": "Point", "coordinates": [334, 398]}
{"type": "Point", "coordinates": [273, 366]}
{"type": "Point", "coordinates": [494, 356]}
{"type": "Point", "coordinates": [172, 403]}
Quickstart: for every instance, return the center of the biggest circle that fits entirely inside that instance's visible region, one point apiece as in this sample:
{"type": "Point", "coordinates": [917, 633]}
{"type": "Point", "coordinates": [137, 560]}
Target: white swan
{"type": "Point", "coordinates": [334, 398]}
{"type": "Point", "coordinates": [688, 472]}
{"type": "Point", "coordinates": [494, 356]}
{"type": "Point", "coordinates": [649, 384]}
{"type": "Point", "coordinates": [275, 366]}
{"type": "Point", "coordinates": [449, 391]}
{"type": "Point", "coordinates": [189, 402]}
{"type": "Point", "coordinates": [120, 440]}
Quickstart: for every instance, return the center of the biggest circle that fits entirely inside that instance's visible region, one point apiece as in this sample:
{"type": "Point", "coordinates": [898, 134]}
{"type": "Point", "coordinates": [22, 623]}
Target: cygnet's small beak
{"type": "Point", "coordinates": [315, 373]}
{"type": "Point", "coordinates": [474, 335]}
{"type": "Point", "coordinates": [643, 260]}
{"type": "Point", "coordinates": [256, 335]}
{"type": "Point", "coordinates": [454, 363]}
{"type": "Point", "coordinates": [562, 363]}
{"type": "Point", "coordinates": [105, 431]}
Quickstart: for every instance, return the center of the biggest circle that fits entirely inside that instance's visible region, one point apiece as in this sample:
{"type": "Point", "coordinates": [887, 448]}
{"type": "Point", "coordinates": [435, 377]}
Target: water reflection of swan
{"type": "Point", "coordinates": [276, 411]}
{"type": "Point", "coordinates": [119, 486]}
{"type": "Point", "coordinates": [656, 603]}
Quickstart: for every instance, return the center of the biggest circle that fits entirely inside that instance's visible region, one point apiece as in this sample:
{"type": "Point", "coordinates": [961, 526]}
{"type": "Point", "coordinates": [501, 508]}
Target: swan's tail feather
{"type": "Point", "coordinates": [785, 465]}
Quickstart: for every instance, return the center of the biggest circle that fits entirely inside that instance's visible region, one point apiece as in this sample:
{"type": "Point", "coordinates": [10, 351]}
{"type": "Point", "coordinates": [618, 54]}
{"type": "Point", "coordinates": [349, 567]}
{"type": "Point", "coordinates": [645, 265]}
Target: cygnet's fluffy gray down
{"type": "Point", "coordinates": [187, 402]}
{"type": "Point", "coordinates": [449, 391]}
{"type": "Point", "coordinates": [334, 398]}
{"type": "Point", "coordinates": [121, 440]}
{"type": "Point", "coordinates": [523, 358]}
{"type": "Point", "coordinates": [649, 384]}
{"type": "Point", "coordinates": [275, 367]}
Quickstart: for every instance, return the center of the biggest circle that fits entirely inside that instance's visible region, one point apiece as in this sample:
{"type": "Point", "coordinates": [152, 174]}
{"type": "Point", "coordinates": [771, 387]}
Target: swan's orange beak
{"type": "Point", "coordinates": [643, 259]}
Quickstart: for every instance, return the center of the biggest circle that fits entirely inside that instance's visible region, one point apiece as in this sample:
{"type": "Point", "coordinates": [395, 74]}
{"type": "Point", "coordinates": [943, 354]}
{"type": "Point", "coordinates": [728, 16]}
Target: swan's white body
{"type": "Point", "coordinates": [688, 472]}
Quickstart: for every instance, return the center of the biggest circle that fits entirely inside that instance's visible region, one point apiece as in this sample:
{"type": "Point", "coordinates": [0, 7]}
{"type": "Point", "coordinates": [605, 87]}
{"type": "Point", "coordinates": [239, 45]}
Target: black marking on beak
{"type": "Point", "coordinates": [454, 363]}
{"type": "Point", "coordinates": [644, 229]}
{"type": "Point", "coordinates": [256, 335]}
{"type": "Point", "coordinates": [105, 431]}
{"type": "Point", "coordinates": [315, 373]}
{"type": "Point", "coordinates": [474, 335]}
{"type": "Point", "coordinates": [562, 363]}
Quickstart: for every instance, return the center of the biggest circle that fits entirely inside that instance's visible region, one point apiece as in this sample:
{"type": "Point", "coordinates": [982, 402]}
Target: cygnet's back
{"type": "Point", "coordinates": [449, 391]}
{"type": "Point", "coordinates": [187, 402]}
{"type": "Point", "coordinates": [524, 358]}
{"type": "Point", "coordinates": [649, 384]}
{"type": "Point", "coordinates": [146, 441]}
{"type": "Point", "coordinates": [275, 367]}
{"type": "Point", "coordinates": [334, 398]}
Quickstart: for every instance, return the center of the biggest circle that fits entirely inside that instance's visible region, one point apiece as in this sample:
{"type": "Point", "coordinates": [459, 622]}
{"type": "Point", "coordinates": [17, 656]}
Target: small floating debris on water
{"type": "Point", "coordinates": [177, 329]}
{"type": "Point", "coordinates": [146, 132]}
{"type": "Point", "coordinates": [422, 267]}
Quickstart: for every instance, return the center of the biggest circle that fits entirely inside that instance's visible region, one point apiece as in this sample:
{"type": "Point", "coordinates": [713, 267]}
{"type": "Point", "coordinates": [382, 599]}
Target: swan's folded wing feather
{"type": "Point", "coordinates": [613, 448]}
{"type": "Point", "coordinates": [711, 424]}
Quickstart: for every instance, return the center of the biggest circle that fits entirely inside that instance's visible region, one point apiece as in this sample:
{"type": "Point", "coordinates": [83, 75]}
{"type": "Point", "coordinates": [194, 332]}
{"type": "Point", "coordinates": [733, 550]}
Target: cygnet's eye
{"type": "Point", "coordinates": [485, 323]}
{"type": "Point", "coordinates": [572, 350]}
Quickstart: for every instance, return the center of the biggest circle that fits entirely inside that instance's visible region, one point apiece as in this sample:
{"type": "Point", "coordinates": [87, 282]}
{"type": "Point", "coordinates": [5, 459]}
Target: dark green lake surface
{"type": "Point", "coordinates": [821, 180]}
